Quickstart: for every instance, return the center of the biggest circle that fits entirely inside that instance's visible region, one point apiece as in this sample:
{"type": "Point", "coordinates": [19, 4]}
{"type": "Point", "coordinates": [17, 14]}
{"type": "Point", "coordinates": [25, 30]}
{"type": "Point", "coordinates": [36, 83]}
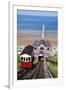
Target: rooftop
{"type": "Point", "coordinates": [27, 50]}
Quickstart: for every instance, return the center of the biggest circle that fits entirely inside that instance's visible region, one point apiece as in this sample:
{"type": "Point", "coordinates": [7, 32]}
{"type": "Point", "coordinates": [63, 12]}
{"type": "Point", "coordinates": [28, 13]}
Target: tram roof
{"type": "Point", "coordinates": [28, 50]}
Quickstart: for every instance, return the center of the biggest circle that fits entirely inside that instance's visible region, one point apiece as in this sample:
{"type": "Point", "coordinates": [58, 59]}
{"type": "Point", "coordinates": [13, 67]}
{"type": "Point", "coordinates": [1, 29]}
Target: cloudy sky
{"type": "Point", "coordinates": [34, 20]}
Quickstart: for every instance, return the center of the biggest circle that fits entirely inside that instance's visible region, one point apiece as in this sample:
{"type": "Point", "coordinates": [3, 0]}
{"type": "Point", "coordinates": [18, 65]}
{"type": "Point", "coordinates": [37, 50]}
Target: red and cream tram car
{"type": "Point", "coordinates": [26, 61]}
{"type": "Point", "coordinates": [26, 57]}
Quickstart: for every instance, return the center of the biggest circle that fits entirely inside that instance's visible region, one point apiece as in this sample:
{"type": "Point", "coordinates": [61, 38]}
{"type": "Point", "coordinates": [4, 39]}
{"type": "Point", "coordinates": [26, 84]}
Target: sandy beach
{"type": "Point", "coordinates": [26, 38]}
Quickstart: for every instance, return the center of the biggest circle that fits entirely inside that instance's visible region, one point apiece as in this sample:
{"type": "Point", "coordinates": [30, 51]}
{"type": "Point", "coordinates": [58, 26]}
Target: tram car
{"type": "Point", "coordinates": [26, 57]}
{"type": "Point", "coordinates": [41, 56]}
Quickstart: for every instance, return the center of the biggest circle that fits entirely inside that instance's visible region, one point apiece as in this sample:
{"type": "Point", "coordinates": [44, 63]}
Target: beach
{"type": "Point", "coordinates": [27, 37]}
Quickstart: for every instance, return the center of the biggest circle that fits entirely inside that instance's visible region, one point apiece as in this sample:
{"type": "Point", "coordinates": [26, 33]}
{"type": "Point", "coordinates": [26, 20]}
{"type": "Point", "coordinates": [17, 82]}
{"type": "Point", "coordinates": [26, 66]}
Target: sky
{"type": "Point", "coordinates": [34, 20]}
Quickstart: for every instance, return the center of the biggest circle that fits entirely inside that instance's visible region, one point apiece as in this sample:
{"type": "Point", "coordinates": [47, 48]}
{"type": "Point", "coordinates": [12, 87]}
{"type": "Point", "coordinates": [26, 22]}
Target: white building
{"type": "Point", "coordinates": [42, 45]}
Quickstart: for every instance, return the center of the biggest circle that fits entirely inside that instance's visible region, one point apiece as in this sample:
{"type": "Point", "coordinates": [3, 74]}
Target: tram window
{"type": "Point", "coordinates": [41, 58]}
{"type": "Point", "coordinates": [21, 58]}
{"type": "Point", "coordinates": [29, 58]}
{"type": "Point", "coordinates": [24, 59]}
